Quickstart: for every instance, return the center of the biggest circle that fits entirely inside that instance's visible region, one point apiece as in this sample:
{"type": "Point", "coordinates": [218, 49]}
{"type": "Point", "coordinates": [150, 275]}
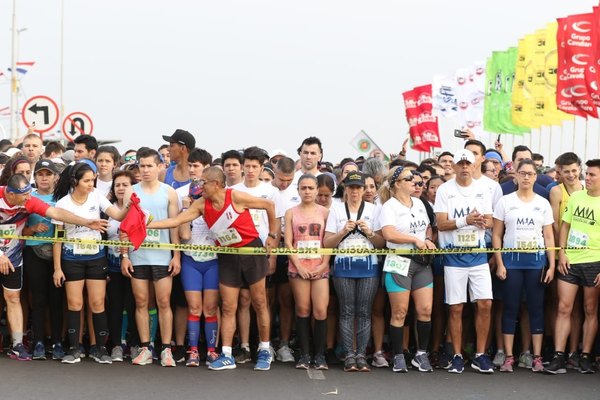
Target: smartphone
{"type": "Point", "coordinates": [498, 139]}
{"type": "Point", "coordinates": [460, 134]}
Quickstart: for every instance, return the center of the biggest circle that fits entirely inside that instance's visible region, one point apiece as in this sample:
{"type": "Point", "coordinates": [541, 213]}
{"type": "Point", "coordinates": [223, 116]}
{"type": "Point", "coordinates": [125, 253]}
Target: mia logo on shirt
{"type": "Point", "coordinates": [584, 215]}
{"type": "Point", "coordinates": [525, 221]}
{"type": "Point", "coordinates": [461, 212]}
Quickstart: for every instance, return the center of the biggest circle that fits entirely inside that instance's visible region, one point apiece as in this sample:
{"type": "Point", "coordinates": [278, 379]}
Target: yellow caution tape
{"type": "Point", "coordinates": [286, 251]}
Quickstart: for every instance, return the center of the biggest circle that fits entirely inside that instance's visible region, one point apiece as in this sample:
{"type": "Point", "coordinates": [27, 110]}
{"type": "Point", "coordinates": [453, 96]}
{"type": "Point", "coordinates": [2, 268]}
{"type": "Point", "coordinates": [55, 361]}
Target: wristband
{"type": "Point", "coordinates": [461, 222]}
{"type": "Point", "coordinates": [124, 255]}
{"type": "Point", "coordinates": [273, 235]}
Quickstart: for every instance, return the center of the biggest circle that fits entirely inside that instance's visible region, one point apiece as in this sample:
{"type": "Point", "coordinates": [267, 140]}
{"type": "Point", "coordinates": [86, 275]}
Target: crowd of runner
{"type": "Point", "coordinates": [529, 306]}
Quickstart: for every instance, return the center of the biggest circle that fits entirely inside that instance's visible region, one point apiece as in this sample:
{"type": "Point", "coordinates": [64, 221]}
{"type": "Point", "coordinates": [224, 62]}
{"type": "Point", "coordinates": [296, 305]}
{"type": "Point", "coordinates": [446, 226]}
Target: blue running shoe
{"type": "Point", "coordinates": [263, 360]}
{"type": "Point", "coordinates": [18, 352]}
{"type": "Point", "coordinates": [221, 363]}
{"type": "Point", "coordinates": [39, 351]}
{"type": "Point", "coordinates": [458, 365]}
{"type": "Point", "coordinates": [58, 352]}
{"type": "Point", "coordinates": [483, 364]}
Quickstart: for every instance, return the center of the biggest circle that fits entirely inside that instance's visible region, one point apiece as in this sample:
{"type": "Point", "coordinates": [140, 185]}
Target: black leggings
{"type": "Point", "coordinates": [120, 297]}
{"type": "Point", "coordinates": [44, 294]}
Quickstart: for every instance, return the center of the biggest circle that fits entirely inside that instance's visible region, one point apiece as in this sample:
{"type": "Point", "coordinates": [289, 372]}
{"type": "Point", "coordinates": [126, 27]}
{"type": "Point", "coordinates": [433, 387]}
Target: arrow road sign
{"type": "Point", "coordinates": [40, 111]}
{"type": "Point", "coordinates": [77, 123]}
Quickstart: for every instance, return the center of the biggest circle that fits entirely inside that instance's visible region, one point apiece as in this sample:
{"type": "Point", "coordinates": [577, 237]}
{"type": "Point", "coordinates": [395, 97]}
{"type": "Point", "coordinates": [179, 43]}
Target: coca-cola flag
{"type": "Point", "coordinates": [423, 124]}
{"type": "Point", "coordinates": [576, 54]}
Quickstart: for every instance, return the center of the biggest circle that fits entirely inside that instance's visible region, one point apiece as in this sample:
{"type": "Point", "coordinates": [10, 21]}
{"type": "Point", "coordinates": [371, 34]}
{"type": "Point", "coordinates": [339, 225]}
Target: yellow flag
{"type": "Point", "coordinates": [522, 95]}
{"type": "Point", "coordinates": [551, 61]}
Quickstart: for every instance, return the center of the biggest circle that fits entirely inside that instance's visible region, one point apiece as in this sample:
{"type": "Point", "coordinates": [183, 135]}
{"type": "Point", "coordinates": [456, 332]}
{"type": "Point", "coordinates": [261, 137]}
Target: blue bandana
{"type": "Point", "coordinates": [23, 190]}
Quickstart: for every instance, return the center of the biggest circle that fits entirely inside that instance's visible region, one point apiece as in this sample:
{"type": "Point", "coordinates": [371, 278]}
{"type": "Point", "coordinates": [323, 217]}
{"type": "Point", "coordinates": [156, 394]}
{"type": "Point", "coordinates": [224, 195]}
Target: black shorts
{"type": "Point", "coordinates": [581, 274]}
{"type": "Point", "coordinates": [86, 269]}
{"type": "Point", "coordinates": [150, 272]}
{"type": "Point", "coordinates": [281, 272]}
{"type": "Point", "coordinates": [241, 270]}
{"type": "Point", "coordinates": [13, 280]}
{"type": "Point", "coordinates": [177, 294]}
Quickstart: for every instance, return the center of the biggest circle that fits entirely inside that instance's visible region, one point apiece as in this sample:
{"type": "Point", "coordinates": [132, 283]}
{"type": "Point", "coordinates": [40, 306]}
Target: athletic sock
{"type": "Point", "coordinates": [245, 346]}
{"type": "Point", "coordinates": [226, 350]}
{"type": "Point", "coordinates": [423, 332]}
{"type": "Point", "coordinates": [211, 325]}
{"type": "Point", "coordinates": [397, 336]}
{"type": "Point", "coordinates": [153, 323]}
{"type": "Point", "coordinates": [100, 327]}
{"type": "Point", "coordinates": [264, 346]}
{"type": "Point", "coordinates": [17, 337]}
{"type": "Point", "coordinates": [320, 336]}
{"type": "Point", "coordinates": [303, 332]}
{"type": "Point", "coordinates": [73, 321]}
{"type": "Point", "coordinates": [193, 328]}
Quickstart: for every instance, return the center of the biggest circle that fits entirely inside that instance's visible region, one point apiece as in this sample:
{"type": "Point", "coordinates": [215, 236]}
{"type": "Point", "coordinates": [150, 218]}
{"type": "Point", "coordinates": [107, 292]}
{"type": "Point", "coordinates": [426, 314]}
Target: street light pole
{"type": "Point", "coordinates": [14, 129]}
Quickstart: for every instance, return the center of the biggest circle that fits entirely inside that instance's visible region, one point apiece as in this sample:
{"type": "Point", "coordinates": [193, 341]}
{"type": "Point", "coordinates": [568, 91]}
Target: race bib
{"type": "Point", "coordinates": [203, 256]}
{"type": "Point", "coordinates": [526, 241]}
{"type": "Point", "coordinates": [228, 237]}
{"type": "Point", "coordinates": [577, 239]}
{"type": "Point", "coordinates": [466, 238]}
{"type": "Point", "coordinates": [308, 244]}
{"type": "Point", "coordinates": [396, 264]}
{"type": "Point", "coordinates": [85, 249]}
{"type": "Point", "coordinates": [8, 230]}
{"type": "Point", "coordinates": [152, 236]}
{"type": "Point", "coordinates": [355, 243]}
{"type": "Point", "coordinates": [256, 216]}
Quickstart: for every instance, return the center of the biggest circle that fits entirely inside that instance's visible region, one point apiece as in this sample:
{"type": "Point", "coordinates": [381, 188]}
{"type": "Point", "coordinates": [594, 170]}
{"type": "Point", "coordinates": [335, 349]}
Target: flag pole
{"type": "Point", "coordinates": [585, 151]}
{"type": "Point", "coordinates": [14, 134]}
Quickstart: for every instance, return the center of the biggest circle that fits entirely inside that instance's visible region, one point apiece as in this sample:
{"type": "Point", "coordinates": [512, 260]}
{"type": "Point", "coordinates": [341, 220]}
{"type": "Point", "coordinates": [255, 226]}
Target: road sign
{"type": "Point", "coordinates": [77, 123]}
{"type": "Point", "coordinates": [40, 111]}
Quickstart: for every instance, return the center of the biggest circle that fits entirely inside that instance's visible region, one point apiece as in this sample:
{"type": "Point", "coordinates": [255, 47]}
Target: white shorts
{"type": "Point", "coordinates": [477, 279]}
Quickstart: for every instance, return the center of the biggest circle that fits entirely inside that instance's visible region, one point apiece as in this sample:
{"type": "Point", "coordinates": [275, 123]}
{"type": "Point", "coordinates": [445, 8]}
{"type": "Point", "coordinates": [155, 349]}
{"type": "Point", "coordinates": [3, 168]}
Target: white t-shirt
{"type": "Point", "coordinates": [494, 188]}
{"type": "Point", "coordinates": [201, 234]}
{"type": "Point", "coordinates": [297, 176]}
{"type": "Point", "coordinates": [266, 191]}
{"type": "Point", "coordinates": [411, 221]}
{"type": "Point", "coordinates": [337, 220]}
{"type": "Point", "coordinates": [91, 209]}
{"type": "Point", "coordinates": [523, 225]}
{"type": "Point", "coordinates": [458, 201]}
{"type": "Point", "coordinates": [103, 187]}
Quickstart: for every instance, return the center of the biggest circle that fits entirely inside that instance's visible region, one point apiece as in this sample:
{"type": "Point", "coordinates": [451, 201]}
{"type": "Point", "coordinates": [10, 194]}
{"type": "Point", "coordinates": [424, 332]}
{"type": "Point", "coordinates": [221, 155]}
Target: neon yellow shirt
{"type": "Point", "coordinates": [583, 214]}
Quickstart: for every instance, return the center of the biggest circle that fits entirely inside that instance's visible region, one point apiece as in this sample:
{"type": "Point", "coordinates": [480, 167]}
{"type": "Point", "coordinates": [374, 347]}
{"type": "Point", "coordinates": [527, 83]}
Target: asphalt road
{"type": "Point", "coordinates": [89, 380]}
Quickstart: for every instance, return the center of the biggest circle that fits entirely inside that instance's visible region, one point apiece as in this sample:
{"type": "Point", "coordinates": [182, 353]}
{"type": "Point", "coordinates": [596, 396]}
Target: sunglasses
{"type": "Point", "coordinates": [129, 158]}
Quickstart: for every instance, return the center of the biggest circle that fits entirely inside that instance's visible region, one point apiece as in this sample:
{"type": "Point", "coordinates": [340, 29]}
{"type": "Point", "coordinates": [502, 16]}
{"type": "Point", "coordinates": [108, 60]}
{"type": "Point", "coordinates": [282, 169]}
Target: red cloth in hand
{"type": "Point", "coordinates": [134, 223]}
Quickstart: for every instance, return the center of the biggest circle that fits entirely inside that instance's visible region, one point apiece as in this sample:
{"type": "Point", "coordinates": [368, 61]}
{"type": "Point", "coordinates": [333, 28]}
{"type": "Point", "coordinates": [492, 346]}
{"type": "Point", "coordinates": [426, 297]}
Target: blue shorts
{"type": "Point", "coordinates": [197, 276]}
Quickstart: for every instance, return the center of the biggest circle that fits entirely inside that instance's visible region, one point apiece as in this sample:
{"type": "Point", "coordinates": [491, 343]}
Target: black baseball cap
{"type": "Point", "coordinates": [355, 178]}
{"type": "Point", "coordinates": [182, 137]}
{"type": "Point", "coordinates": [45, 164]}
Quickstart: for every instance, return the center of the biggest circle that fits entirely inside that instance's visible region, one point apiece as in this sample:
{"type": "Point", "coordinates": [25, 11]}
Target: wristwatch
{"type": "Point", "coordinates": [273, 235]}
{"type": "Point", "coordinates": [124, 255]}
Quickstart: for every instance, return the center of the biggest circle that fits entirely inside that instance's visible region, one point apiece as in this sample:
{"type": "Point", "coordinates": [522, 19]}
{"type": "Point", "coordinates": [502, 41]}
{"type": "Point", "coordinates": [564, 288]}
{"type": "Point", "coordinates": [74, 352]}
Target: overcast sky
{"type": "Point", "coordinates": [262, 72]}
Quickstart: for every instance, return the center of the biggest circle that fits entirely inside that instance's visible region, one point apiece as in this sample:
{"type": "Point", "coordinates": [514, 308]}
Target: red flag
{"type": "Point", "coordinates": [412, 116]}
{"type": "Point", "coordinates": [575, 57]}
{"type": "Point", "coordinates": [134, 223]}
{"type": "Point", "coordinates": [427, 122]}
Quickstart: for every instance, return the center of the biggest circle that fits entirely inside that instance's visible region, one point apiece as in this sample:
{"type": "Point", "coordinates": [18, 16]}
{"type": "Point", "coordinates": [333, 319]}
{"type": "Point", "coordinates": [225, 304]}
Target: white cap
{"type": "Point", "coordinates": [277, 152]}
{"type": "Point", "coordinates": [12, 151]}
{"type": "Point", "coordinates": [464, 155]}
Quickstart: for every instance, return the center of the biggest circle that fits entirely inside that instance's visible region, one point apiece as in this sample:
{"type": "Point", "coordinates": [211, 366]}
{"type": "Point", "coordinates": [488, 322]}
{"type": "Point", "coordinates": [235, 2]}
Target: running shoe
{"type": "Point", "coordinates": [101, 355]}
{"type": "Point", "coordinates": [82, 351]}
{"type": "Point", "coordinates": [57, 351]}
{"type": "Point", "coordinates": [508, 364]}
{"type": "Point", "coordinates": [585, 364]}
{"type": "Point", "coordinates": [458, 365]}
{"type": "Point", "coordinates": [362, 364]}
{"type": "Point", "coordinates": [223, 362]}
{"type": "Point", "coordinates": [116, 355]}
{"type": "Point", "coordinates": [284, 354]}
{"type": "Point", "coordinates": [557, 365]}
{"type": "Point", "coordinates": [350, 364]}
{"type": "Point", "coordinates": [72, 357]}
{"type": "Point", "coordinates": [144, 357]}
{"type": "Point", "coordinates": [399, 363]}
{"type": "Point", "coordinates": [538, 364]}
{"type": "Point", "coordinates": [193, 359]}
{"type": "Point", "coordinates": [166, 358]}
{"type": "Point", "coordinates": [482, 364]}
{"type": "Point", "coordinates": [421, 362]}
{"type": "Point", "coordinates": [39, 351]}
{"type": "Point", "coordinates": [303, 362]}
{"type": "Point", "coordinates": [211, 356]}
{"type": "Point", "coordinates": [243, 356]}
{"type": "Point", "coordinates": [263, 360]}
{"type": "Point", "coordinates": [331, 357]}
{"type": "Point", "coordinates": [178, 354]}
{"type": "Point", "coordinates": [499, 359]}
{"type": "Point", "coordinates": [18, 352]}
{"type": "Point", "coordinates": [93, 351]}
{"type": "Point", "coordinates": [379, 360]}
{"type": "Point", "coordinates": [525, 360]}
{"type": "Point", "coordinates": [320, 363]}
{"type": "Point", "coordinates": [434, 359]}
{"type": "Point", "coordinates": [573, 361]}
{"type": "Point", "coordinates": [445, 360]}
{"type": "Point", "coordinates": [134, 351]}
